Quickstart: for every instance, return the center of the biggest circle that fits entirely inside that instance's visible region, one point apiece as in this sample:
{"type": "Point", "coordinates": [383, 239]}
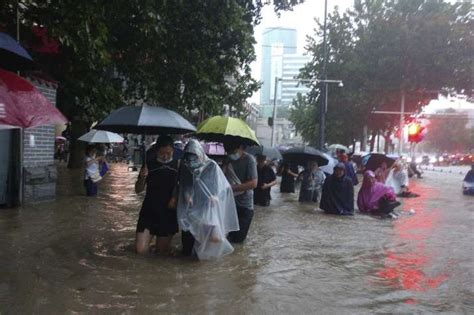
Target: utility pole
{"type": "Point", "coordinates": [323, 102]}
{"type": "Point", "coordinates": [274, 111]}
{"type": "Point", "coordinates": [21, 133]}
{"type": "Point", "coordinates": [402, 123]}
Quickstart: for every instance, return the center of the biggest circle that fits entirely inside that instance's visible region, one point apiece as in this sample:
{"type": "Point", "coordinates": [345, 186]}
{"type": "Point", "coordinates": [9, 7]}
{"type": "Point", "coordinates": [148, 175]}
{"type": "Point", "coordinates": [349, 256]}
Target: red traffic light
{"type": "Point", "coordinates": [414, 132]}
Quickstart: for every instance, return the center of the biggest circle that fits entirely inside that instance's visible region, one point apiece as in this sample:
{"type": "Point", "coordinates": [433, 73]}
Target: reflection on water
{"type": "Point", "coordinates": [406, 268]}
{"type": "Point", "coordinates": [76, 255]}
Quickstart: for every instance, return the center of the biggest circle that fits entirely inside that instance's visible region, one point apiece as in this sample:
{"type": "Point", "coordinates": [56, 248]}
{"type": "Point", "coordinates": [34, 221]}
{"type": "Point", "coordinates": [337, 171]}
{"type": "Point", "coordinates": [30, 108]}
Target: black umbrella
{"type": "Point", "coordinates": [269, 152]}
{"type": "Point", "coordinates": [372, 161]}
{"type": "Point", "coordinates": [302, 155]}
{"type": "Point", "coordinates": [146, 119]}
{"type": "Point", "coordinates": [13, 56]}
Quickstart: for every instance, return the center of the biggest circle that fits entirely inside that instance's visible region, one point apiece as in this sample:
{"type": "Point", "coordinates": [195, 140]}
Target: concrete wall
{"type": "Point", "coordinates": [39, 169]}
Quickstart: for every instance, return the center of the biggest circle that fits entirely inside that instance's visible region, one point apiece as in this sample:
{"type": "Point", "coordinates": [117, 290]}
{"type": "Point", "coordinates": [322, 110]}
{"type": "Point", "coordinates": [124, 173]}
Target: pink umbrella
{"type": "Point", "coordinates": [60, 139]}
{"type": "Point", "coordinates": [214, 148]}
{"type": "Point", "coordinates": [23, 106]}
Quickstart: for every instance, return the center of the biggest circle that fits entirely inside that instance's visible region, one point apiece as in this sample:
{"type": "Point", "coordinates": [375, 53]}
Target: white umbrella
{"type": "Point", "coordinates": [335, 147]}
{"type": "Point", "coordinates": [101, 136]}
{"type": "Point", "coordinates": [329, 168]}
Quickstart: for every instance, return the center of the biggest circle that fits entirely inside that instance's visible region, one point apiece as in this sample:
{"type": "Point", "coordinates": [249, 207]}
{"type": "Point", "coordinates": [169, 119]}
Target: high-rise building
{"type": "Point", "coordinates": [276, 41]}
{"type": "Point", "coordinates": [292, 64]}
{"type": "Point", "coordinates": [279, 59]}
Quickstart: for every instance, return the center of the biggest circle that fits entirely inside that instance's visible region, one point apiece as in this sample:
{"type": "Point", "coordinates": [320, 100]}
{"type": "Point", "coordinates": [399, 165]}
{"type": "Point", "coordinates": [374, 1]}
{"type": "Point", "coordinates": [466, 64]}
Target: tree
{"type": "Point", "coordinates": [302, 115]}
{"type": "Point", "coordinates": [383, 50]}
{"type": "Point", "coordinates": [341, 110]}
{"type": "Point", "coordinates": [177, 54]}
{"type": "Point", "coordinates": [450, 133]}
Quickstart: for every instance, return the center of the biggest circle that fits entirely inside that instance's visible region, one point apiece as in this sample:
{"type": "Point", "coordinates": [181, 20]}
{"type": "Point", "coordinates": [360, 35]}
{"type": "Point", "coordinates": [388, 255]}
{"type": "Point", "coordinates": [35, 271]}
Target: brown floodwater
{"type": "Point", "coordinates": [75, 255]}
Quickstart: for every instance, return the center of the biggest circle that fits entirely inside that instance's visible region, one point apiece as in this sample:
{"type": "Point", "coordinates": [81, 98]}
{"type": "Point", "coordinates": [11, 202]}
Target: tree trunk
{"type": "Point", "coordinates": [388, 142]}
{"type": "Point", "coordinates": [363, 143]}
{"type": "Point", "coordinates": [378, 140]}
{"type": "Point", "coordinates": [76, 148]}
{"type": "Point", "coordinates": [372, 140]}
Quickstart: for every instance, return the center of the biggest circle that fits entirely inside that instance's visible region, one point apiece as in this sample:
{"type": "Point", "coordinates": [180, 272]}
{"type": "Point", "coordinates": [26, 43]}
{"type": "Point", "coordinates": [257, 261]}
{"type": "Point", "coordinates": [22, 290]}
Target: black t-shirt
{"type": "Point", "coordinates": [265, 175]}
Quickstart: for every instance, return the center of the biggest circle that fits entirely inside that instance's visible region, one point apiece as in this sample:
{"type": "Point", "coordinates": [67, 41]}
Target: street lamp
{"type": "Point", "coordinates": [322, 113]}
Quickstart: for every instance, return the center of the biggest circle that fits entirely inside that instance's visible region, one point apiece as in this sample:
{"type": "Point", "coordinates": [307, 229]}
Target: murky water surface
{"type": "Point", "coordinates": [76, 255]}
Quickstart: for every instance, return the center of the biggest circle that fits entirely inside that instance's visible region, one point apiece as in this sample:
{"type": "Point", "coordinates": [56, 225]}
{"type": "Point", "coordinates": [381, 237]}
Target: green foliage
{"type": "Point", "coordinates": [381, 48]}
{"type": "Point", "coordinates": [174, 53]}
{"type": "Point", "coordinates": [303, 116]}
{"type": "Point", "coordinates": [190, 56]}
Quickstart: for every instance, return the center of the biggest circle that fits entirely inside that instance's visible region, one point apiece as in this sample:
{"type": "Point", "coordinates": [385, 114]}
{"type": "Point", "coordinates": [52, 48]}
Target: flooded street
{"type": "Point", "coordinates": [77, 255]}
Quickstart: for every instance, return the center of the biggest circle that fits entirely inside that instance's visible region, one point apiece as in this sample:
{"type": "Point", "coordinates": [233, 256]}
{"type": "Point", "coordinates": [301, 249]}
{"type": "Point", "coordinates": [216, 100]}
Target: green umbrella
{"type": "Point", "coordinates": [223, 129]}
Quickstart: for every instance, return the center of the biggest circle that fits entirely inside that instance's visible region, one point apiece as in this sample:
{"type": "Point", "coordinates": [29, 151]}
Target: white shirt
{"type": "Point", "coordinates": [396, 180]}
{"type": "Point", "coordinates": [92, 168]}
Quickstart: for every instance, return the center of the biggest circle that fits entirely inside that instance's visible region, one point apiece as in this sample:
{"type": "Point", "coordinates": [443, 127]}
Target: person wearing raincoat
{"type": "Point", "coordinates": [338, 193]}
{"type": "Point", "coordinates": [468, 183]}
{"type": "Point", "coordinates": [398, 180]}
{"type": "Point", "coordinates": [374, 197]}
{"type": "Point", "coordinates": [206, 206]}
{"type": "Point", "coordinates": [312, 180]}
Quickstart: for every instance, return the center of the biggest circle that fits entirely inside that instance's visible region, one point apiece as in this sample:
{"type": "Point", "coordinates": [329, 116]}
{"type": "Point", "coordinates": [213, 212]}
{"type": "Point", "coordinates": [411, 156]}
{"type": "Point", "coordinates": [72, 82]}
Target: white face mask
{"type": "Point", "coordinates": [164, 161]}
{"type": "Point", "coordinates": [234, 156]}
{"type": "Point", "coordinates": [193, 162]}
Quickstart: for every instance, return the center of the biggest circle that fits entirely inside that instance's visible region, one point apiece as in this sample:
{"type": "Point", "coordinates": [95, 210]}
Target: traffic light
{"type": "Point", "coordinates": [270, 121]}
{"type": "Point", "coordinates": [415, 132]}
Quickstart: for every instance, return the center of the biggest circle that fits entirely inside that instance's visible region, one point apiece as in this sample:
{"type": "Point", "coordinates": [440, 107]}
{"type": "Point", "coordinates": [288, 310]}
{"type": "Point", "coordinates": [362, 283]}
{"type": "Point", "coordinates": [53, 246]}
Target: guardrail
{"type": "Point", "coordinates": [441, 170]}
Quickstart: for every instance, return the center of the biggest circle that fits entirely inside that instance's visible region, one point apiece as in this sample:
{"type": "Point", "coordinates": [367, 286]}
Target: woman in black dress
{"type": "Point", "coordinates": [158, 214]}
{"type": "Point", "coordinates": [288, 172]}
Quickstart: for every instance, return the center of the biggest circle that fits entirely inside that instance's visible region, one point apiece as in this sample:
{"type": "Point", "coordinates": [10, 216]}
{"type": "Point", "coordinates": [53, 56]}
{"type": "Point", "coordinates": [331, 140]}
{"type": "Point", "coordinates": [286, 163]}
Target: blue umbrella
{"type": "Point", "coordinates": [13, 56]}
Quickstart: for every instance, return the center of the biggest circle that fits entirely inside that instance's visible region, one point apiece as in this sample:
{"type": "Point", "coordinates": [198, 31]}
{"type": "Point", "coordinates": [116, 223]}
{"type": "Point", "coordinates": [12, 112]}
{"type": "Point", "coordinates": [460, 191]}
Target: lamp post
{"type": "Point", "coordinates": [402, 120]}
{"type": "Point", "coordinates": [274, 110]}
{"type": "Point", "coordinates": [323, 105]}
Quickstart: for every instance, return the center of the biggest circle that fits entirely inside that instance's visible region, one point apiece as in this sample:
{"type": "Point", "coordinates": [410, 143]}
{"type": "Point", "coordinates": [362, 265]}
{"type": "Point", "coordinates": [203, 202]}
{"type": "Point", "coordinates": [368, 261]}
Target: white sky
{"type": "Point", "coordinates": [459, 104]}
{"type": "Point", "coordinates": [301, 18]}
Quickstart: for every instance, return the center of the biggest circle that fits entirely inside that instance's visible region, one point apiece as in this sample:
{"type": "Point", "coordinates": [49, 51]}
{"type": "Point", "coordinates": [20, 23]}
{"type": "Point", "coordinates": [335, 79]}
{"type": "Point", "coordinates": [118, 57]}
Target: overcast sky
{"type": "Point", "coordinates": [302, 19]}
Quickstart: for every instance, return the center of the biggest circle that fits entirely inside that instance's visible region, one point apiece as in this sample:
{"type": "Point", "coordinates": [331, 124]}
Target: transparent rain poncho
{"type": "Point", "coordinates": [206, 205]}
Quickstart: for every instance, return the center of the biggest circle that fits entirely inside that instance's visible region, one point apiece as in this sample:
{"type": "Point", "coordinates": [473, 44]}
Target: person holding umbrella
{"type": "Point", "coordinates": [312, 179]}
{"type": "Point", "coordinates": [235, 134]}
{"type": "Point", "coordinates": [338, 193]}
{"type": "Point", "coordinates": [159, 175]}
{"type": "Point", "coordinates": [92, 171]}
{"type": "Point", "coordinates": [288, 172]}
{"type": "Point", "coordinates": [245, 167]}
{"type": "Point", "coordinates": [266, 180]}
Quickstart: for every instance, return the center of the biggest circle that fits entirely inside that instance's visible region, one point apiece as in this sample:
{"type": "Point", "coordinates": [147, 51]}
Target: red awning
{"type": "Point", "coordinates": [22, 105]}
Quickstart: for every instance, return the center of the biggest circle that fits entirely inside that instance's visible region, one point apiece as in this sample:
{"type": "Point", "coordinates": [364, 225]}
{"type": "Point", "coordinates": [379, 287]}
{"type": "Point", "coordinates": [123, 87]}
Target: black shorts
{"type": "Point", "coordinates": [163, 223]}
